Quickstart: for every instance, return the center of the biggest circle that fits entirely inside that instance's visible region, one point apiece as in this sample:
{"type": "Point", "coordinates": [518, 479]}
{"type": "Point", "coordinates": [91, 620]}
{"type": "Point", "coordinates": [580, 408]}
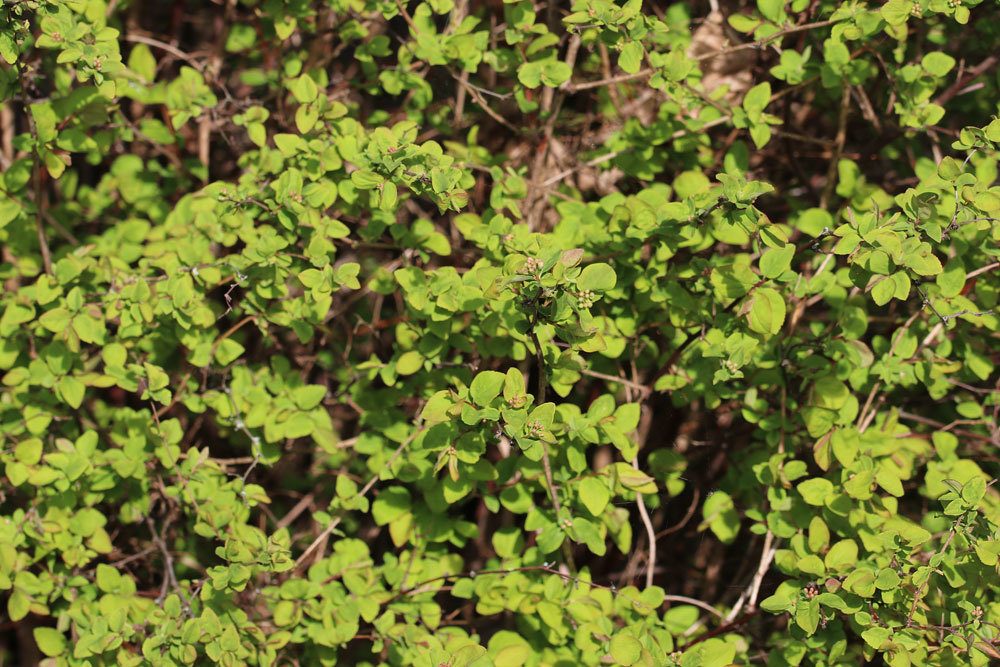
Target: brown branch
{"type": "Point", "coordinates": [546, 463]}
{"type": "Point", "coordinates": [650, 532]}
{"type": "Point", "coordinates": [169, 576]}
{"type": "Point", "coordinates": [229, 332]}
{"type": "Point", "coordinates": [952, 91]}
{"type": "Point", "coordinates": [696, 496]}
{"type": "Point", "coordinates": [361, 494]}
{"type": "Point", "coordinates": [163, 46]}
{"type": "Point", "coordinates": [831, 173]}
{"type": "Point", "coordinates": [641, 388]}
{"type": "Point", "coordinates": [649, 71]}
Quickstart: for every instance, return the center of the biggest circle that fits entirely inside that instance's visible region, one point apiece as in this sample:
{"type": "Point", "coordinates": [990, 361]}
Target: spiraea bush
{"type": "Point", "coordinates": [454, 333]}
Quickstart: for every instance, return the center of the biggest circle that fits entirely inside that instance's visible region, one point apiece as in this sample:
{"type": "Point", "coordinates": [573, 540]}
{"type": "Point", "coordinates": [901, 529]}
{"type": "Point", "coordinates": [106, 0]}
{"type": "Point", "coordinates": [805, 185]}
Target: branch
{"type": "Point", "coordinates": [163, 46]}
{"type": "Point", "coordinates": [831, 173]}
{"type": "Point", "coordinates": [649, 71]}
{"type": "Point", "coordinates": [169, 576]}
{"type": "Point", "coordinates": [39, 198]}
{"type": "Point", "coordinates": [974, 73]}
{"type": "Point", "coordinates": [693, 332]}
{"type": "Point", "coordinates": [546, 464]}
{"type": "Point", "coordinates": [641, 388]}
{"type": "Point", "coordinates": [361, 494]}
{"type": "Point", "coordinates": [749, 596]}
{"type": "Point", "coordinates": [650, 533]}
{"type": "Point", "coordinates": [545, 567]}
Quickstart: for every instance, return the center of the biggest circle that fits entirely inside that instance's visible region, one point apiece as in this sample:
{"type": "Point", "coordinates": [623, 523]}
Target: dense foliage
{"type": "Point", "coordinates": [451, 333]}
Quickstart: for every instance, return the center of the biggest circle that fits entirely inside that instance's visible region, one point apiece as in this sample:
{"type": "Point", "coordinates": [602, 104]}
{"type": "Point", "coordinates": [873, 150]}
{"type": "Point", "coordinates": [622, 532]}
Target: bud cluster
{"type": "Point", "coordinates": [585, 299]}
{"type": "Point", "coordinates": [532, 265]}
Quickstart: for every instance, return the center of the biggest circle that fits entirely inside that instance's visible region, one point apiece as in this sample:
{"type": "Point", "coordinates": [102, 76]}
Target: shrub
{"type": "Point", "coordinates": [475, 333]}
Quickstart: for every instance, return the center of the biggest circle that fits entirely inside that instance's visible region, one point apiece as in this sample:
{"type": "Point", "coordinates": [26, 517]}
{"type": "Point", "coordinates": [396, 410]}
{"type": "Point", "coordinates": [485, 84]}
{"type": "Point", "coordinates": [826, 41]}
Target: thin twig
{"type": "Point", "coordinates": [361, 494]}
{"type": "Point", "coordinates": [421, 587]}
{"type": "Point", "coordinates": [831, 173]}
{"type": "Point", "coordinates": [650, 532]}
{"type": "Point", "coordinates": [923, 587]}
{"type": "Point", "coordinates": [981, 270]}
{"type": "Point", "coordinates": [649, 71]}
{"type": "Point", "coordinates": [546, 463]}
{"type": "Point", "coordinates": [696, 496]}
{"type": "Point", "coordinates": [169, 48]}
{"type": "Point", "coordinates": [169, 576]}
{"type": "Point", "coordinates": [683, 599]}
{"type": "Point", "coordinates": [963, 81]}
{"type": "Point", "coordinates": [641, 388]}
{"type": "Point", "coordinates": [749, 596]}
{"type": "Point", "coordinates": [39, 196]}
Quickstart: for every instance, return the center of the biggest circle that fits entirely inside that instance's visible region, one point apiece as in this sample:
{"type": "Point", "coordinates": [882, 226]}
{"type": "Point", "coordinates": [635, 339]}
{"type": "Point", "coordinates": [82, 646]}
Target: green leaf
{"type": "Point", "coordinates": [142, 62]}
{"type": "Point", "coordinates": [815, 491]}
{"type": "Point", "coordinates": [304, 89]}
{"type": "Point", "coordinates": [777, 603]}
{"type": "Point", "coordinates": [757, 98]}
{"type": "Point", "coordinates": [924, 264]}
{"type": "Point", "coordinates": [887, 579]}
{"type": "Point", "coordinates": [988, 202]}
{"type": "Point", "coordinates": [950, 168]}
{"type": "Point", "coordinates": [71, 390]}
{"type": "Point", "coordinates": [28, 452]}
{"type": "Point", "coordinates": [55, 164]}
{"type": "Point", "coordinates": [889, 480]}
{"type": "Point", "coordinates": [766, 314]}
{"type": "Point", "coordinates": [409, 363]}
{"type": "Point", "coordinates": [50, 641]}
{"type": "Point", "coordinates": [842, 556]}
{"type": "Point", "coordinates": [630, 57]}
{"type": "Point", "coordinates": [309, 396]}
{"type": "Point", "coordinates": [775, 261]}
{"type": "Point", "coordinates": [712, 652]}
{"type": "Point", "coordinates": [90, 329]}
{"type": "Point", "coordinates": [486, 386]}
{"type": "Point", "coordinates": [625, 649]}
{"type": "Point", "coordinates": [937, 63]}
{"type": "Point", "coordinates": [760, 134]}
{"type": "Point", "coordinates": [289, 144]}
{"type": "Point", "coordinates": [974, 491]}
{"type": "Point", "coordinates": [390, 504]}
{"type": "Point", "coordinates": [598, 277]}
{"type": "Point", "coordinates": [951, 280]}
{"type": "Point", "coordinates": [883, 290]}
{"type": "Point", "coordinates": [228, 351]}
{"type": "Point", "coordinates": [807, 616]}
{"type": "Point", "coordinates": [813, 221]}
{"type": "Point", "coordinates": [896, 12]}
{"type": "Point", "coordinates": [594, 495]}
{"type": "Point", "coordinates": [8, 48]}
{"type": "Point", "coordinates": [18, 604]}
{"type": "Point", "coordinates": [366, 180]}
{"type": "Point", "coordinates": [514, 390]}
{"type": "Point", "coordinates": [107, 578]}
{"type": "Point", "coordinates": [876, 636]}
{"type": "Point", "coordinates": [305, 118]}
{"type": "Point", "coordinates": [772, 10]}
{"type": "Point", "coordinates": [861, 582]}
{"type": "Point", "coordinates": [721, 517]}
{"type": "Point", "coordinates": [634, 480]}
{"type": "Point", "coordinates": [555, 73]}
{"type": "Point", "coordinates": [530, 74]}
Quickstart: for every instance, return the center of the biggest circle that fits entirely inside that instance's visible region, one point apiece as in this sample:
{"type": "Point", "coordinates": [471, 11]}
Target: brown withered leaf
{"type": "Point", "coordinates": [733, 70]}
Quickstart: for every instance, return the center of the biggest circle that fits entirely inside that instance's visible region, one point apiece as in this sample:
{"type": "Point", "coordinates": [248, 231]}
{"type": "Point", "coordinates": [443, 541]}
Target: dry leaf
{"type": "Point", "coordinates": [733, 70]}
